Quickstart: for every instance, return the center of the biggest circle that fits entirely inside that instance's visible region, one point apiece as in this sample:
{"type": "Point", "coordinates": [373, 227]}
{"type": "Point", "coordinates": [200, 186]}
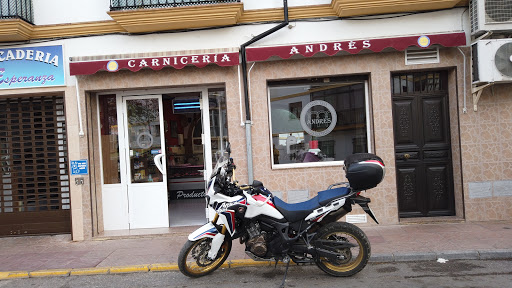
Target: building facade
{"type": "Point", "coordinates": [146, 94]}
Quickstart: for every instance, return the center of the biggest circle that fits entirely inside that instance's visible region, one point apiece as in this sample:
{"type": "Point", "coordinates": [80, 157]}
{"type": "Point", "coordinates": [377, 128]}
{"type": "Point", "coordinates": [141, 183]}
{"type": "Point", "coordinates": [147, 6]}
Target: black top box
{"type": "Point", "coordinates": [364, 170]}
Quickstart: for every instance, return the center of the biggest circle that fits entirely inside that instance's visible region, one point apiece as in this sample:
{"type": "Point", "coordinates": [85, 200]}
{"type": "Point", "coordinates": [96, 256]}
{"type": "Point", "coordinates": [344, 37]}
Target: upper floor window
{"type": "Point", "coordinates": [318, 120]}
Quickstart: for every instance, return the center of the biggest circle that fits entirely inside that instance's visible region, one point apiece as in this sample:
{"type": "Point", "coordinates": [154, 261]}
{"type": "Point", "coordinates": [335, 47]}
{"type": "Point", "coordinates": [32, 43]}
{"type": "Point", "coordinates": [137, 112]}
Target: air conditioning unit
{"type": "Point", "coordinates": [492, 60]}
{"type": "Point", "coordinates": [490, 15]}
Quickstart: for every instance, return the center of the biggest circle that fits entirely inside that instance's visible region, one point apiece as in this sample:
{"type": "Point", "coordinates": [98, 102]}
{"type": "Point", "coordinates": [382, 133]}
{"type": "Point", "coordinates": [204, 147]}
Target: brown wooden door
{"type": "Point", "coordinates": [422, 144]}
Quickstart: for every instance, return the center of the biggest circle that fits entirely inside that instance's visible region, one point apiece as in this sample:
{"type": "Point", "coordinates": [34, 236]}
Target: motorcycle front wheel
{"type": "Point", "coordinates": [354, 258]}
{"type": "Point", "coordinates": [193, 259]}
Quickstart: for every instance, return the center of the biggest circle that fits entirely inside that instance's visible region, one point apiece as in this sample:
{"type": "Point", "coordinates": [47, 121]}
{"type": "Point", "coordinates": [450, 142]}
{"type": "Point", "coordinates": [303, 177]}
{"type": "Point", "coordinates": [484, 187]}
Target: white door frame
{"type": "Point", "coordinates": [147, 202]}
{"type": "Point", "coordinates": [115, 196]}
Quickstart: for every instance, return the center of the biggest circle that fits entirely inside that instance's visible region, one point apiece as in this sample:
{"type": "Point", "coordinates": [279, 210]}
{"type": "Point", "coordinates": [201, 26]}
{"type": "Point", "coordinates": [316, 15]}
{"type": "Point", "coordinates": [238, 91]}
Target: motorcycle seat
{"type": "Point", "coordinates": [297, 211]}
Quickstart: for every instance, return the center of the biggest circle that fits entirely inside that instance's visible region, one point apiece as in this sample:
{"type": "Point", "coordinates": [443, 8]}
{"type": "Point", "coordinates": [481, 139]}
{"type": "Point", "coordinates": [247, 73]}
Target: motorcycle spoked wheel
{"type": "Point", "coordinates": [193, 260]}
{"type": "Point", "coordinates": [356, 258]}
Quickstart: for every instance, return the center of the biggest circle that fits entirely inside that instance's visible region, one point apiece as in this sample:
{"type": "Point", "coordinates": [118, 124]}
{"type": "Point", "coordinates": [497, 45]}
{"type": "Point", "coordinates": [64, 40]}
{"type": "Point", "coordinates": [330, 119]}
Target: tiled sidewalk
{"type": "Point", "coordinates": [409, 242]}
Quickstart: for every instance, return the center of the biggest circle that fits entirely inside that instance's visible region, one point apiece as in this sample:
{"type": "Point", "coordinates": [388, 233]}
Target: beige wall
{"type": "Point", "coordinates": [486, 137]}
{"type": "Point", "coordinates": [379, 67]}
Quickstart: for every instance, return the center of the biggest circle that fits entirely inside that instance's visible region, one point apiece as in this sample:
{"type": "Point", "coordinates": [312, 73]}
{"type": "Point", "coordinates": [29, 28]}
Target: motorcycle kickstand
{"type": "Point", "coordinates": [285, 273]}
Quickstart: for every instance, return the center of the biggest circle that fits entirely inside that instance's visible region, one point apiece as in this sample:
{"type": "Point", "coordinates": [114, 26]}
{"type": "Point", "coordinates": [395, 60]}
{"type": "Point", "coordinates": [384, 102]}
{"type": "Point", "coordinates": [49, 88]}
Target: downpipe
{"type": "Point", "coordinates": [248, 122]}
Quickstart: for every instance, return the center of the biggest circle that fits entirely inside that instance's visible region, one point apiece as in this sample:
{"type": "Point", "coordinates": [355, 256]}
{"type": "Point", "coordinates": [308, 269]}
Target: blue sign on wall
{"type": "Point", "coordinates": [79, 167]}
{"type": "Point", "coordinates": [28, 67]}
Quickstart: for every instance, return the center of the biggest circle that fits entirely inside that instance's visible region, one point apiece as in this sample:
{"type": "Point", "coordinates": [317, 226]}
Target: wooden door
{"type": "Point", "coordinates": [422, 144]}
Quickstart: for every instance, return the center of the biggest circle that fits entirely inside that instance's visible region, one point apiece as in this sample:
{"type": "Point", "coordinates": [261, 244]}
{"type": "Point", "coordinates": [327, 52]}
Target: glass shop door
{"type": "Point", "coordinates": [145, 161]}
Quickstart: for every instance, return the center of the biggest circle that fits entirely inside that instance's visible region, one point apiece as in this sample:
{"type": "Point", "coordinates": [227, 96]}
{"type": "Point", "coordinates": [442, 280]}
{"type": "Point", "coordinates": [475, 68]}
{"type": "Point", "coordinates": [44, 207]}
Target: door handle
{"type": "Point", "coordinates": [159, 164]}
{"type": "Point", "coordinates": [407, 156]}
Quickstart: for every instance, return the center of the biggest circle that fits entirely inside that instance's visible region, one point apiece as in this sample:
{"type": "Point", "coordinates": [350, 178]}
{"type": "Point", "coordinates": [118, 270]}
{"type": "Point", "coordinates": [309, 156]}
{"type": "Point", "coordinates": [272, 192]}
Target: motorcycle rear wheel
{"type": "Point", "coordinates": [355, 258]}
{"type": "Point", "coordinates": [193, 259]}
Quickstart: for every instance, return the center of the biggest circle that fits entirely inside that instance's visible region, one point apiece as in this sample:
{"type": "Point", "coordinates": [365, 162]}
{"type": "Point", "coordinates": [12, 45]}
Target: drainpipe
{"type": "Point", "coordinates": [246, 89]}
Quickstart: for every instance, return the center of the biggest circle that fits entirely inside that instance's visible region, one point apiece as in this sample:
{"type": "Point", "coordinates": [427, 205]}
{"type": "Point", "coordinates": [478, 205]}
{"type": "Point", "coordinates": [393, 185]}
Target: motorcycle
{"type": "Point", "coordinates": [273, 230]}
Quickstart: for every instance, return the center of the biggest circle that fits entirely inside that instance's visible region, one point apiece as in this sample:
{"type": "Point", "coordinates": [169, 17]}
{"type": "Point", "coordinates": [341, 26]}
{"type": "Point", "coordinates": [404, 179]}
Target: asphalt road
{"type": "Point", "coordinates": [461, 273]}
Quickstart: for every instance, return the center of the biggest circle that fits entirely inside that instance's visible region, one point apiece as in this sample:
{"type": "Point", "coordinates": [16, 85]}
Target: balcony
{"type": "Point", "coordinates": [142, 16]}
{"type": "Point", "coordinates": [16, 19]}
{"type": "Point", "coordinates": [116, 5]}
{"type": "Point", "coordinates": [17, 9]}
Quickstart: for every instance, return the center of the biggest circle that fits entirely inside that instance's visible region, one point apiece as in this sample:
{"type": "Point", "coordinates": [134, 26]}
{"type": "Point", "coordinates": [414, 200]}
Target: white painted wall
{"type": "Point", "coordinates": [263, 4]}
{"type": "Point", "coordinates": [302, 32]}
{"type": "Point", "coordinates": [48, 12]}
{"type": "Point", "coordinates": [453, 20]}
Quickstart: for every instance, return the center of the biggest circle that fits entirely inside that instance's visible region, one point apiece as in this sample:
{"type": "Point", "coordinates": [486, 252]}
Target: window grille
{"type": "Point", "coordinates": [143, 4]}
{"type": "Point", "coordinates": [17, 9]}
{"type": "Point", "coordinates": [33, 157]}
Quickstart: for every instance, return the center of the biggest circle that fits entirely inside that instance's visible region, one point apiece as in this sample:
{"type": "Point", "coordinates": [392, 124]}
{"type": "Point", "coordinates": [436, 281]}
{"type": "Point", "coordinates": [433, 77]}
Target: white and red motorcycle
{"type": "Point", "coordinates": [274, 230]}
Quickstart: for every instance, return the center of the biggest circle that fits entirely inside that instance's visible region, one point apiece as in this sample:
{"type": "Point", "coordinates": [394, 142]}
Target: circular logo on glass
{"type": "Point", "coordinates": [318, 118]}
{"type": "Point", "coordinates": [145, 140]}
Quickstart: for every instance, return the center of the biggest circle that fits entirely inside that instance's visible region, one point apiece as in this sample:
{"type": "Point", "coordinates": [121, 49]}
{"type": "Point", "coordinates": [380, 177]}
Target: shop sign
{"type": "Point", "coordinates": [30, 67]}
{"type": "Point", "coordinates": [155, 63]}
{"type": "Point", "coordinates": [356, 46]}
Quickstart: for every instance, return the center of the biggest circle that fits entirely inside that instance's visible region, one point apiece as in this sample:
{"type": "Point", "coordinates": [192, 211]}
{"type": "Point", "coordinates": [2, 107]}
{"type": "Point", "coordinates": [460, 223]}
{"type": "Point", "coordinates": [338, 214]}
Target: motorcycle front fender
{"type": "Point", "coordinates": [208, 230]}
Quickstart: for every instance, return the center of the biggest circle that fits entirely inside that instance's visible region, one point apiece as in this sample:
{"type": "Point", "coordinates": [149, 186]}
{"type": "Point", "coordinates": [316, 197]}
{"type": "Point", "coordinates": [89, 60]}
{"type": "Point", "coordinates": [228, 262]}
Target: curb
{"type": "Point", "coordinates": [495, 254]}
{"type": "Point", "coordinates": [376, 258]}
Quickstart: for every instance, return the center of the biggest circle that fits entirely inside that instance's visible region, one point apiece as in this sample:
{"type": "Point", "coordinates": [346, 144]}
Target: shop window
{"type": "Point", "coordinates": [109, 139]}
{"type": "Point", "coordinates": [317, 120]}
{"type": "Point", "coordinates": [218, 122]}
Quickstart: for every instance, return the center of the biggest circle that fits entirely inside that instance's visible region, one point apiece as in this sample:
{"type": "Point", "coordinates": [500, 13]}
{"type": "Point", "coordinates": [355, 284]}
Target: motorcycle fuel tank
{"type": "Point", "coordinates": [261, 205]}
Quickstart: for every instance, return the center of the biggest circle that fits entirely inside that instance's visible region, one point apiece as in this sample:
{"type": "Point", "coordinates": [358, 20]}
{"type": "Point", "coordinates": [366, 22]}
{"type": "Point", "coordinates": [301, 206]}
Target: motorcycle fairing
{"type": "Point", "coordinates": [258, 205]}
{"type": "Point", "coordinates": [228, 218]}
{"type": "Point", "coordinates": [319, 214]}
{"type": "Point", "coordinates": [208, 230]}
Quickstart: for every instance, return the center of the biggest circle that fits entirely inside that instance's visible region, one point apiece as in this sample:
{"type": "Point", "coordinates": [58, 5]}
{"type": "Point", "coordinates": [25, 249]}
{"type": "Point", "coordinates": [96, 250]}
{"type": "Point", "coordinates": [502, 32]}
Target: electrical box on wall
{"type": "Point", "coordinates": [492, 61]}
{"type": "Point", "coordinates": [490, 15]}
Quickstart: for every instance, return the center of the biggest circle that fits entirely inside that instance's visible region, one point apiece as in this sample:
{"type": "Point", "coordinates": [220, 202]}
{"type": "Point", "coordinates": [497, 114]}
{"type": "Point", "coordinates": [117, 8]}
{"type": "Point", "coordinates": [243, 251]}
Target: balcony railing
{"type": "Point", "coordinates": [21, 9]}
{"type": "Point", "coordinates": [143, 4]}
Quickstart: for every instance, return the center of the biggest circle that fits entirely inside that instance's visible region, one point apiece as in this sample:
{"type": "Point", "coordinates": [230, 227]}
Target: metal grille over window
{"type": "Point", "coordinates": [34, 164]}
{"type": "Point", "coordinates": [422, 82]}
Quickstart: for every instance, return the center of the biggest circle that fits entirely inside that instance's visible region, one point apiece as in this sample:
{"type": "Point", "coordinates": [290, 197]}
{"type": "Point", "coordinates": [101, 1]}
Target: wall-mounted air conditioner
{"type": "Point", "coordinates": [492, 61]}
{"type": "Point", "coordinates": [490, 15]}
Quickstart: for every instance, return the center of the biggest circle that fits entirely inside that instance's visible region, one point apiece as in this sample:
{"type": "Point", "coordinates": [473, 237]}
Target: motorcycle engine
{"type": "Point", "coordinates": [257, 243]}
